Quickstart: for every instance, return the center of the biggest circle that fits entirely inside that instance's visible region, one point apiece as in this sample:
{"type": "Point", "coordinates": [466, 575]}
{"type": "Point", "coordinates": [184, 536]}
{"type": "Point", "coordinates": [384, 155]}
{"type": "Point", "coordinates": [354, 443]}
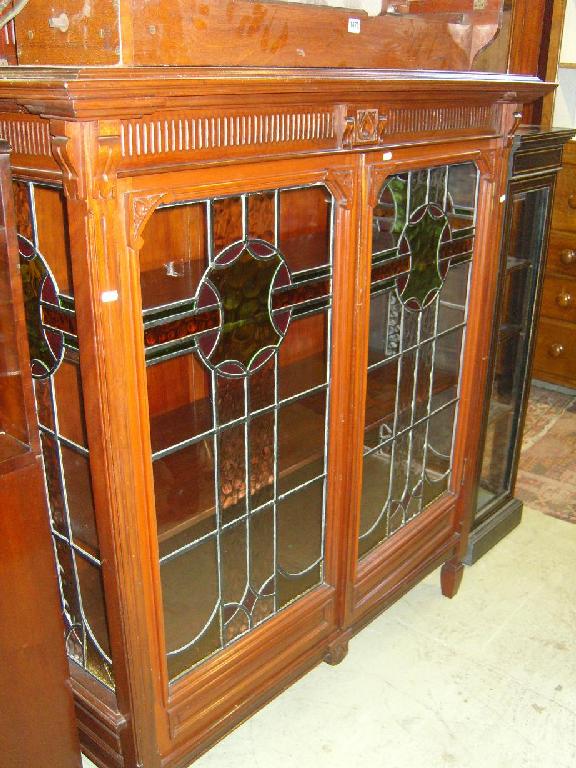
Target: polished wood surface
{"type": "Point", "coordinates": [555, 351]}
{"type": "Point", "coordinates": [37, 723]}
{"type": "Point", "coordinates": [556, 11]}
{"type": "Point", "coordinates": [243, 33]}
{"type": "Point", "coordinates": [121, 142]}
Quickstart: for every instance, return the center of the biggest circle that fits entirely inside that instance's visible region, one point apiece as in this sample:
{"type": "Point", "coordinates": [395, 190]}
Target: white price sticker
{"type": "Point", "coordinates": [354, 26]}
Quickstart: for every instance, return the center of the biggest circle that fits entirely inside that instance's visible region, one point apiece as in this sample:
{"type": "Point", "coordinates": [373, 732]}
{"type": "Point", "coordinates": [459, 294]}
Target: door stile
{"type": "Point", "coordinates": [484, 282]}
{"type": "Point", "coordinates": [344, 445]}
{"type": "Point", "coordinates": [89, 154]}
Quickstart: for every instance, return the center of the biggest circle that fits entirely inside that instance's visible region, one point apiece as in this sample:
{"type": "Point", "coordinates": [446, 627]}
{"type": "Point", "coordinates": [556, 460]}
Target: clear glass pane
{"type": "Point", "coordinates": [173, 255]}
{"type": "Point", "coordinates": [522, 255]}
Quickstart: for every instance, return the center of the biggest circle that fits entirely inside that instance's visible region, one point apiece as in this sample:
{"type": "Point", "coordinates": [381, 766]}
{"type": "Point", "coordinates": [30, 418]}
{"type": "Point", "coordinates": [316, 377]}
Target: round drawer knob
{"type": "Point", "coordinates": [568, 257]}
{"type": "Point", "coordinates": [556, 350]}
{"type": "Point", "coordinates": [564, 300]}
{"type": "Point", "coordinates": [572, 201]}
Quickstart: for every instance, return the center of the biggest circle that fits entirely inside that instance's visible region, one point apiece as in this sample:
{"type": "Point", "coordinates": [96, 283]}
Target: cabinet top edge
{"type": "Point", "coordinates": [100, 92]}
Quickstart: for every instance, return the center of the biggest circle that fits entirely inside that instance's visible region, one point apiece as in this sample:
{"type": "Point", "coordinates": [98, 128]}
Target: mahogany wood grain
{"type": "Point", "coordinates": [243, 33]}
{"type": "Point", "coordinates": [37, 713]}
{"type": "Point", "coordinates": [562, 253]}
{"type": "Point", "coordinates": [554, 359]}
{"type": "Point", "coordinates": [559, 298]}
{"type": "Point", "coordinates": [549, 65]}
{"type": "Point", "coordinates": [564, 215]}
{"type": "Point", "coordinates": [127, 148]}
{"type": "Point", "coordinates": [37, 721]}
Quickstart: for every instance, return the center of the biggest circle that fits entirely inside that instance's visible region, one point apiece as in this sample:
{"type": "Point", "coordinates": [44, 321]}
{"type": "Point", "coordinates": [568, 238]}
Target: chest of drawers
{"type": "Point", "coordinates": [555, 359]}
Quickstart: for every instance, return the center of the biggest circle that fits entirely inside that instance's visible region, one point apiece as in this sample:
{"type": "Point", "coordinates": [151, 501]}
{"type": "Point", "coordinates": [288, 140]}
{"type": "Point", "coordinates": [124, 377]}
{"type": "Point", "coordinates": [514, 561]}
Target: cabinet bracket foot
{"type": "Point", "coordinates": [337, 650]}
{"type": "Point", "coordinates": [451, 577]}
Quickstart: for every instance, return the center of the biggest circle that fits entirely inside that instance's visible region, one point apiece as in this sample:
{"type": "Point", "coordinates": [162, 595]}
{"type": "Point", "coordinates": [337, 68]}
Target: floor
{"type": "Point", "coordinates": [487, 680]}
{"type": "Point", "coordinates": [547, 476]}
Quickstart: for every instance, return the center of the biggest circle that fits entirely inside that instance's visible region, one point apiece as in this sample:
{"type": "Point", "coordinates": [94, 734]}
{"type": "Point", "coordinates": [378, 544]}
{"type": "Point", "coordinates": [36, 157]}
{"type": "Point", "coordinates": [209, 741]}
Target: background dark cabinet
{"type": "Point", "coordinates": [534, 163]}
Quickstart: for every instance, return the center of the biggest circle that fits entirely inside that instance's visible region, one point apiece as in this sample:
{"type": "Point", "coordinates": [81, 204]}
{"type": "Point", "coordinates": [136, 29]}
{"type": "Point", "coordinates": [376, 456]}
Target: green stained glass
{"type": "Point", "coordinates": [241, 282]}
{"type": "Point", "coordinates": [244, 288]}
{"type": "Point", "coordinates": [398, 187]}
{"type": "Point", "coordinates": [423, 235]}
{"type": "Point", "coordinates": [418, 190]}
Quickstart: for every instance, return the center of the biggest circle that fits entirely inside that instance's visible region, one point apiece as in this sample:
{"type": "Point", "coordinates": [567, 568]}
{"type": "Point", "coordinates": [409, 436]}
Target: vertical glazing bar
{"type": "Point", "coordinates": [215, 420]}
{"type": "Point", "coordinates": [248, 504]}
{"type": "Point", "coordinates": [385, 508]}
{"type": "Point", "coordinates": [32, 201]}
{"type": "Point", "coordinates": [430, 387]}
{"type": "Point", "coordinates": [332, 219]}
{"type": "Point", "coordinates": [276, 218]}
{"type": "Point", "coordinates": [412, 410]}
{"type": "Point", "coordinates": [210, 231]}
{"type": "Point", "coordinates": [244, 200]}
{"type": "Point", "coordinates": [275, 484]}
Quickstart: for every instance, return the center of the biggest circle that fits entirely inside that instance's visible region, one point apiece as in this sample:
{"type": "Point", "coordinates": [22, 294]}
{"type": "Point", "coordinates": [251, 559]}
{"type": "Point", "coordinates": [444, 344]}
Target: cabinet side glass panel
{"type": "Point", "coordinates": [237, 295]}
{"type": "Point", "coordinates": [50, 312]}
{"type": "Point", "coordinates": [520, 269]}
{"type": "Point", "coordinates": [422, 245]}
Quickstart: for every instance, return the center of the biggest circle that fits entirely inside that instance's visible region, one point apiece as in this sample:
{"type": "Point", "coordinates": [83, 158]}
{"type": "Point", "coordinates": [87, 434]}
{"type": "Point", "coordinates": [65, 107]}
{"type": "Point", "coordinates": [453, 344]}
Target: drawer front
{"type": "Point", "coordinates": [564, 216]}
{"type": "Point", "coordinates": [559, 298]}
{"type": "Point", "coordinates": [555, 357]}
{"type": "Point", "coordinates": [562, 253]}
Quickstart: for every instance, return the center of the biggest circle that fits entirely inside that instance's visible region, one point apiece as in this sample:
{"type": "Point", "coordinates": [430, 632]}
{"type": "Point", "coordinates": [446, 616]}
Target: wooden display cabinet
{"type": "Point", "coordinates": [534, 163]}
{"type": "Point", "coordinates": [267, 300]}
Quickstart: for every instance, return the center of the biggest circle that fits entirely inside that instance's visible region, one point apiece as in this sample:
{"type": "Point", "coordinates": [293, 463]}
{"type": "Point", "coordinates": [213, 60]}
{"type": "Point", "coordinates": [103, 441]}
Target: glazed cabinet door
{"type": "Point", "coordinates": [243, 284]}
{"type": "Point", "coordinates": [418, 260]}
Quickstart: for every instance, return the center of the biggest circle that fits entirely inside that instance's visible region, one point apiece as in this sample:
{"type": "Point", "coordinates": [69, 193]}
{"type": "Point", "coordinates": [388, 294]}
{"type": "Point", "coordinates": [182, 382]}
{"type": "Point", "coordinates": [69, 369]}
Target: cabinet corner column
{"type": "Point", "coordinates": [89, 154]}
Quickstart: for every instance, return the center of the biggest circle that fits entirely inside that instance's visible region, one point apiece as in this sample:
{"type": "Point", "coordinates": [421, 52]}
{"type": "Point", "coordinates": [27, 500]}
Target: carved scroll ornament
{"type": "Point", "coordinates": [9, 9]}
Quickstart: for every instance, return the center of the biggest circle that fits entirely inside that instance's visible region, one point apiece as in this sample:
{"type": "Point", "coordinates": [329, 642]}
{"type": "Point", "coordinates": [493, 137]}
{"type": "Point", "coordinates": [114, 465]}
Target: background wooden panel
{"type": "Point", "coordinates": [92, 34]}
{"type": "Point", "coordinates": [37, 726]}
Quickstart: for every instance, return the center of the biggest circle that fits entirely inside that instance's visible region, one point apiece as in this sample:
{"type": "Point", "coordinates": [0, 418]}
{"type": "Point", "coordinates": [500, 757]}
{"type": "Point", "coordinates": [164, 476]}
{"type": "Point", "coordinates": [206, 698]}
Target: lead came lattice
{"type": "Point", "coordinates": [423, 237]}
{"type": "Point", "coordinates": [240, 461]}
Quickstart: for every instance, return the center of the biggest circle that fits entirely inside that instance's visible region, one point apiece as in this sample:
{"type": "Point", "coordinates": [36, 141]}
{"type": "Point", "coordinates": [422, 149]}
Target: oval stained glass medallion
{"type": "Point", "coordinates": [240, 284]}
{"type": "Point", "coordinates": [422, 239]}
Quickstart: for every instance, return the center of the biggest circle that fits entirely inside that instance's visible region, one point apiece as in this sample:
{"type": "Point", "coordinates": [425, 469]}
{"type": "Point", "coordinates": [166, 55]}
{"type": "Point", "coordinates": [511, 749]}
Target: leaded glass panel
{"type": "Point", "coordinates": [423, 236]}
{"type": "Point", "coordinates": [50, 313]}
{"type": "Point", "coordinates": [237, 339]}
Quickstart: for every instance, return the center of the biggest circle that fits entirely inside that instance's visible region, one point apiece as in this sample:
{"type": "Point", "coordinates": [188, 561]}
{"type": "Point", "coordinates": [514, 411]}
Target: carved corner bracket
{"type": "Point", "coordinates": [139, 211]}
{"type": "Point", "coordinates": [366, 127]}
{"type": "Point", "coordinates": [376, 178]}
{"type": "Point", "coordinates": [341, 181]}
